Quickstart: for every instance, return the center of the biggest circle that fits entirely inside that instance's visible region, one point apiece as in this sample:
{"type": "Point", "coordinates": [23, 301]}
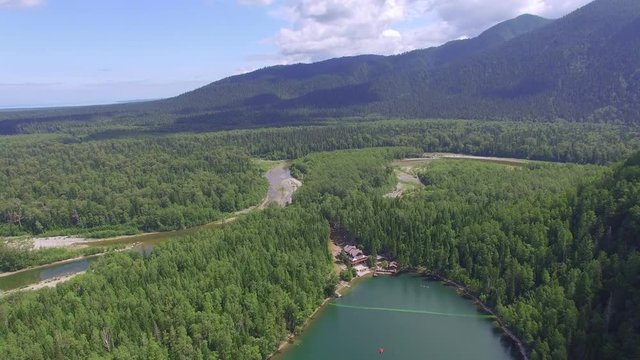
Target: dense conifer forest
{"type": "Point", "coordinates": [230, 293]}
{"type": "Point", "coordinates": [107, 188]}
{"type": "Point", "coordinates": [552, 247]}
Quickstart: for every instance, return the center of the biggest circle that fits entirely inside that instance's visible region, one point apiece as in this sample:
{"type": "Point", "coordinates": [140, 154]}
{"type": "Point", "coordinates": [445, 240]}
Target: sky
{"type": "Point", "coordinates": [79, 52]}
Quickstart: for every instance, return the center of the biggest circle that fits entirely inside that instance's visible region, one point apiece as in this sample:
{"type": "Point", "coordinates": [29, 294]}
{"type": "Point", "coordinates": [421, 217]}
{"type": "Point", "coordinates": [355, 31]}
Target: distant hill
{"type": "Point", "coordinates": [582, 67]}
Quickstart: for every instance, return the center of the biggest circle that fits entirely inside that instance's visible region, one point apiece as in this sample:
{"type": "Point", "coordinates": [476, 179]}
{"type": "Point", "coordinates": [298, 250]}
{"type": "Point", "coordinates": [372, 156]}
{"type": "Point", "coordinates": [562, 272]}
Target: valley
{"type": "Point", "coordinates": [320, 180]}
{"type": "Point", "coordinates": [460, 195]}
{"type": "Point", "coordinates": [281, 188]}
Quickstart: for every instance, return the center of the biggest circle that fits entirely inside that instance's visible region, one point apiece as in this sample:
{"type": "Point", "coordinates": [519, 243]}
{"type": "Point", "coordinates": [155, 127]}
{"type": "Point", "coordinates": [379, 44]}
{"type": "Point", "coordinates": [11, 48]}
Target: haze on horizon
{"type": "Point", "coordinates": [65, 52]}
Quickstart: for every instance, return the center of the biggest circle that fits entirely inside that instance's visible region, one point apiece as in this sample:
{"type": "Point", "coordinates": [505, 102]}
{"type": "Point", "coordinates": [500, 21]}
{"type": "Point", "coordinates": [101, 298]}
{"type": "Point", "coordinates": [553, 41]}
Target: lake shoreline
{"type": "Point", "coordinates": [291, 338]}
{"type": "Point", "coordinates": [463, 291]}
{"type": "Point", "coordinates": [342, 288]}
{"type": "Point", "coordinates": [294, 346]}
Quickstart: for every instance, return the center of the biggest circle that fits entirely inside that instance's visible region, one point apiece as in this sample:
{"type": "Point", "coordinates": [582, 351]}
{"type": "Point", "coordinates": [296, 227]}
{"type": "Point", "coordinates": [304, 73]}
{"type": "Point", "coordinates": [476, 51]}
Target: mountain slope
{"type": "Point", "coordinates": [340, 82]}
{"type": "Point", "coordinates": [494, 36]}
{"type": "Point", "coordinates": [582, 67]}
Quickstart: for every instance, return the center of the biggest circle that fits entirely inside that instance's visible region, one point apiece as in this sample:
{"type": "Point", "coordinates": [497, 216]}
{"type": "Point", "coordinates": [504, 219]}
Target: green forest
{"type": "Point", "coordinates": [88, 182]}
{"type": "Point", "coordinates": [552, 247]}
{"type": "Point", "coordinates": [107, 188]}
{"type": "Point", "coordinates": [551, 141]}
{"type": "Point", "coordinates": [229, 293]}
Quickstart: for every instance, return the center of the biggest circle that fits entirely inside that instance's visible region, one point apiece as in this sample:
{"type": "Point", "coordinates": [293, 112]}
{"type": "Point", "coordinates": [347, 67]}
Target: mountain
{"type": "Point", "coordinates": [461, 49]}
{"type": "Point", "coordinates": [582, 67]}
{"type": "Point", "coordinates": [585, 66]}
{"type": "Point", "coordinates": [296, 82]}
{"type": "Point", "coordinates": [285, 94]}
{"type": "Point", "coordinates": [333, 88]}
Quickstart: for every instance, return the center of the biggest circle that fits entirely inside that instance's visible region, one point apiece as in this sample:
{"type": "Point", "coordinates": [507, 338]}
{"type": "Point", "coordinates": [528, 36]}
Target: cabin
{"type": "Point", "coordinates": [355, 255]}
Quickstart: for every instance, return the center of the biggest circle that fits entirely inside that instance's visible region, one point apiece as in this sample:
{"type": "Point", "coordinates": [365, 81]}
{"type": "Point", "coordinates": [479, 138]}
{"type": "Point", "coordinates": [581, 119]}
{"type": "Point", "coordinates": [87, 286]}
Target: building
{"type": "Point", "coordinates": [355, 255]}
{"type": "Point", "coordinates": [393, 266]}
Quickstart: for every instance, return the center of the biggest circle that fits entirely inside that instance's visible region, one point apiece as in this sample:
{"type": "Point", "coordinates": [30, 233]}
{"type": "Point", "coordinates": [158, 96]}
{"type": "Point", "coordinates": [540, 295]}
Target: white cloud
{"type": "Point", "coordinates": [391, 33]}
{"type": "Point", "coordinates": [20, 3]}
{"type": "Point", "coordinates": [319, 29]}
{"type": "Point", "coordinates": [325, 28]}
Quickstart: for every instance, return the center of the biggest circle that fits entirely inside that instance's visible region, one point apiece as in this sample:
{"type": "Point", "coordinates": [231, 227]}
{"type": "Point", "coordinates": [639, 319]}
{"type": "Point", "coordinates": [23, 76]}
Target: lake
{"type": "Point", "coordinates": [406, 316]}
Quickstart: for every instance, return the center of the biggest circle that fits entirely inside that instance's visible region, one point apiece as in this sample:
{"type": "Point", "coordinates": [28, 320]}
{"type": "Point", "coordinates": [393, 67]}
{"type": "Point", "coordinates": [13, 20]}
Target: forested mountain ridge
{"type": "Point", "coordinates": [299, 84]}
{"type": "Point", "coordinates": [582, 67]}
{"type": "Point", "coordinates": [460, 49]}
{"type": "Point", "coordinates": [367, 85]}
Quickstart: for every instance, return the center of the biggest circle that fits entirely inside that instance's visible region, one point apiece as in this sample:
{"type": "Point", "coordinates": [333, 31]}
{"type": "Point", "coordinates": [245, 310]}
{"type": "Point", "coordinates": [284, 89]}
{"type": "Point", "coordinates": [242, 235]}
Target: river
{"type": "Point", "coordinates": [281, 188]}
{"type": "Point", "coordinates": [406, 316]}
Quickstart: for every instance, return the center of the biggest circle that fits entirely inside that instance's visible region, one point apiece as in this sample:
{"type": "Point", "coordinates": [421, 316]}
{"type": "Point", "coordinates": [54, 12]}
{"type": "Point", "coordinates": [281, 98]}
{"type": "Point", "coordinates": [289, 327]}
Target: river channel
{"type": "Point", "coordinates": [281, 188]}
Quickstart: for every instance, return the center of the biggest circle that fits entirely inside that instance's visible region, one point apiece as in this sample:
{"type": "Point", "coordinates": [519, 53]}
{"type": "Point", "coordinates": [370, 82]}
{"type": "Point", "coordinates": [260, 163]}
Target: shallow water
{"type": "Point", "coordinates": [33, 276]}
{"type": "Point", "coordinates": [278, 193]}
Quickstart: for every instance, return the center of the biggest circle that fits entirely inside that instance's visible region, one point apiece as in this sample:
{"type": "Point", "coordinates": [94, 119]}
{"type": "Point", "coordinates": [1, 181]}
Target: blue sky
{"type": "Point", "coordinates": [69, 52]}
